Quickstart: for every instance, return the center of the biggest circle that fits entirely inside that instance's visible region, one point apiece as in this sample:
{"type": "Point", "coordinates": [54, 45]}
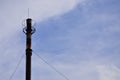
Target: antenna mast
{"type": "Point", "coordinates": [28, 30]}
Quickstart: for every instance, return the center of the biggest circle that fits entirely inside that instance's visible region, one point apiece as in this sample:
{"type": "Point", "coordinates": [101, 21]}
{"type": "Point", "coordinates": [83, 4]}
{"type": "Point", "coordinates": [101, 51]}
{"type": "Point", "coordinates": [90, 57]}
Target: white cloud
{"type": "Point", "coordinates": [12, 14]}
{"type": "Point", "coordinates": [108, 72]}
{"type": "Point", "coordinates": [46, 8]}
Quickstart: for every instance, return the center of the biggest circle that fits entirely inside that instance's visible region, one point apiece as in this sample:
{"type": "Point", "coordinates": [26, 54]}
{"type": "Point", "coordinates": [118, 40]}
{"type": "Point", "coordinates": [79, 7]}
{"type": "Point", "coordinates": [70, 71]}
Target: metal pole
{"type": "Point", "coordinates": [29, 30]}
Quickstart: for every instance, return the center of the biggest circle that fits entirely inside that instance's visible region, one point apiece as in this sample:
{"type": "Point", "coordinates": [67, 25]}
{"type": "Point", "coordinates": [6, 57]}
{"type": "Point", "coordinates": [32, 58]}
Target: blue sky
{"type": "Point", "coordinates": [80, 38]}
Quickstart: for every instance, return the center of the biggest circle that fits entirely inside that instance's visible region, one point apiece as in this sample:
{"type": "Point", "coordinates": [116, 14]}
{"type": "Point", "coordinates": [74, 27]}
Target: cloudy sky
{"type": "Point", "coordinates": [80, 38]}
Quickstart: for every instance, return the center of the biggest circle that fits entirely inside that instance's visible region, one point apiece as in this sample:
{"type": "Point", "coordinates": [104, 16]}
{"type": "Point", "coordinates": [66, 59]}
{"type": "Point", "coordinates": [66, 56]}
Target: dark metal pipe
{"type": "Point", "coordinates": [28, 30]}
{"type": "Point", "coordinates": [28, 48]}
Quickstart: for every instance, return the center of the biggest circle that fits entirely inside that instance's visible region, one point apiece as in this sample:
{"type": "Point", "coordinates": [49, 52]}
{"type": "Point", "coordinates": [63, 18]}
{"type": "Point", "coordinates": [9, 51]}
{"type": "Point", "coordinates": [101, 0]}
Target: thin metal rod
{"type": "Point", "coordinates": [17, 66]}
{"type": "Point", "coordinates": [28, 13]}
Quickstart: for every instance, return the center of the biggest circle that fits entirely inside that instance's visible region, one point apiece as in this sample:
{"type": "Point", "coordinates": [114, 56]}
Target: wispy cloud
{"type": "Point", "coordinates": [89, 38]}
{"type": "Point", "coordinates": [79, 37]}
{"type": "Point", "coordinates": [108, 72]}
{"type": "Point", "coordinates": [12, 15]}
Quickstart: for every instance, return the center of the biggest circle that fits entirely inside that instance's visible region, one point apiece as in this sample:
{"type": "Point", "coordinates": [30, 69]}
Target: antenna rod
{"type": "Point", "coordinates": [29, 30]}
{"type": "Point", "coordinates": [28, 13]}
